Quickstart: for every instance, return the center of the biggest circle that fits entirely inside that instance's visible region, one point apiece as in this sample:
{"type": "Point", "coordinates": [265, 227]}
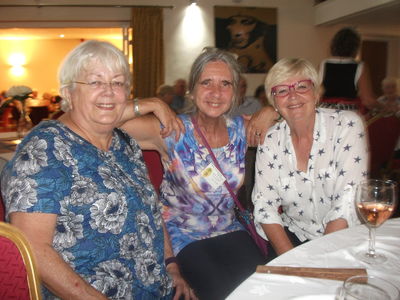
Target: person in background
{"type": "Point", "coordinates": [78, 188]}
{"type": "Point", "coordinates": [260, 94]}
{"type": "Point", "coordinates": [178, 102]}
{"type": "Point", "coordinates": [247, 105]}
{"type": "Point", "coordinates": [35, 94]}
{"type": "Point", "coordinates": [39, 109]}
{"type": "Point", "coordinates": [390, 97]}
{"type": "Point", "coordinates": [309, 165]}
{"type": "Point", "coordinates": [391, 100]}
{"type": "Point", "coordinates": [3, 96]}
{"type": "Point", "coordinates": [214, 251]}
{"type": "Point", "coordinates": [165, 93]}
{"type": "Point", "coordinates": [346, 80]}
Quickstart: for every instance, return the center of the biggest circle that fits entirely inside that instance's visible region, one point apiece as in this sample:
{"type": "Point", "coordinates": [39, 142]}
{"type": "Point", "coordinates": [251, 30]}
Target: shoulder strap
{"type": "Point", "coordinates": [233, 195]}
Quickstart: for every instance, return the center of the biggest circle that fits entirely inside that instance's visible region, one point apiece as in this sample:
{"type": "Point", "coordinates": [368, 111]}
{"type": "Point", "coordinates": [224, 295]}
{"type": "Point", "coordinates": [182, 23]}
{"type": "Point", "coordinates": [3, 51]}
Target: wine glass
{"type": "Point", "coordinates": [368, 288]}
{"type": "Point", "coordinates": [375, 202]}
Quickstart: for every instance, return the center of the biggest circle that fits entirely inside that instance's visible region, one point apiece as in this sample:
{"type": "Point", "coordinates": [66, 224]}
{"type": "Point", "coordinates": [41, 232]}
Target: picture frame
{"type": "Point", "coordinates": [248, 32]}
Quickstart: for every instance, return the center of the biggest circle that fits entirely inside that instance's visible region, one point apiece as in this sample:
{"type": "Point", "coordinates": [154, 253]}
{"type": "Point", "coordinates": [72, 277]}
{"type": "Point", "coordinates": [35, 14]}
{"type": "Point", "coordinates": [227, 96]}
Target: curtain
{"type": "Point", "coordinates": [147, 50]}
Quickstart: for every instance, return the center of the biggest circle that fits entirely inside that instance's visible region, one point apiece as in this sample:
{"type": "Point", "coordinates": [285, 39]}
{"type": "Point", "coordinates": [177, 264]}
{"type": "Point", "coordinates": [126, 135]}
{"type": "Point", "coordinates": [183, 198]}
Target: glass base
{"type": "Point", "coordinates": [371, 259]}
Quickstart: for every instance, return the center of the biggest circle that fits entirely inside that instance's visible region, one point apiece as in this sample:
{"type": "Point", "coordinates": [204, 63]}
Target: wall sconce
{"type": "Point", "coordinates": [17, 62]}
{"type": "Point", "coordinates": [192, 2]}
{"type": "Point", "coordinates": [17, 59]}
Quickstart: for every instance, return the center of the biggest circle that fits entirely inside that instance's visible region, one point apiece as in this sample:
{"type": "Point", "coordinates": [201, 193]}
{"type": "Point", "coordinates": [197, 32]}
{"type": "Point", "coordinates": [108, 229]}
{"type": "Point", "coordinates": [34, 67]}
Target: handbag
{"type": "Point", "coordinates": [244, 216]}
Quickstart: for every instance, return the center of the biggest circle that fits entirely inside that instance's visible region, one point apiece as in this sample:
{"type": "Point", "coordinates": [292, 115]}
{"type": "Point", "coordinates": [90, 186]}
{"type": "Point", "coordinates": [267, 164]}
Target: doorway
{"type": "Point", "coordinates": [375, 56]}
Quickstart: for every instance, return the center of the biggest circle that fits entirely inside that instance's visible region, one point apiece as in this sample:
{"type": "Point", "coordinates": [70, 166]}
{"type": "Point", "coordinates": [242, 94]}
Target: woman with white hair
{"type": "Point", "coordinates": [79, 190]}
{"type": "Point", "coordinates": [390, 97]}
{"type": "Point", "coordinates": [309, 165]}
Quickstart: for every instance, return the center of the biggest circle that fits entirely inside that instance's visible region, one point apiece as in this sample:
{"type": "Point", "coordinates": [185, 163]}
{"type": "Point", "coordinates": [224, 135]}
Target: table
{"type": "Point", "coordinates": [8, 143]}
{"type": "Point", "coordinates": [335, 250]}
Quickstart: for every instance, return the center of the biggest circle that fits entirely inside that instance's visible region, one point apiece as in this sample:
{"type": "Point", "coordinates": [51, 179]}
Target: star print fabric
{"type": "Point", "coordinates": [338, 162]}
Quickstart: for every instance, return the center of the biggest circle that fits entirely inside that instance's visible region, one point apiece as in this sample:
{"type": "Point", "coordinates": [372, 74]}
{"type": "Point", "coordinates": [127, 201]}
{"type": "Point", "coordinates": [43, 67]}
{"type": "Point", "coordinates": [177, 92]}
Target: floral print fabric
{"type": "Point", "coordinates": [193, 209]}
{"type": "Point", "coordinates": [109, 226]}
{"type": "Point", "coordinates": [338, 162]}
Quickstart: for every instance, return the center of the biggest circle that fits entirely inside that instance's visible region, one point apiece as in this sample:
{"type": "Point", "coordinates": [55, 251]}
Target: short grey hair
{"type": "Point", "coordinates": [80, 58]}
{"type": "Point", "coordinates": [213, 55]}
{"type": "Point", "coordinates": [389, 81]}
{"type": "Point", "coordinates": [290, 67]}
{"type": "Point", "coordinates": [164, 89]}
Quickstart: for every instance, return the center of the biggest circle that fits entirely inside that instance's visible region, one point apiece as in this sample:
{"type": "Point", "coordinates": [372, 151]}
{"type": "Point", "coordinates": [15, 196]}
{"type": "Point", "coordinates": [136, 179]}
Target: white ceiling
{"type": "Point", "coordinates": [387, 15]}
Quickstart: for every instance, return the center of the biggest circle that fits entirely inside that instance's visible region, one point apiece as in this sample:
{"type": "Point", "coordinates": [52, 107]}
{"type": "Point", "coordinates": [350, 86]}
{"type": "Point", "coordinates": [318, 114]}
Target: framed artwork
{"type": "Point", "coordinates": [250, 33]}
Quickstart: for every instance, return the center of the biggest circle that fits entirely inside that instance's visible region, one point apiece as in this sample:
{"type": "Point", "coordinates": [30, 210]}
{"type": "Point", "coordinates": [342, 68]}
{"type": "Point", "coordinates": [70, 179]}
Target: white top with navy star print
{"type": "Point", "coordinates": [338, 162]}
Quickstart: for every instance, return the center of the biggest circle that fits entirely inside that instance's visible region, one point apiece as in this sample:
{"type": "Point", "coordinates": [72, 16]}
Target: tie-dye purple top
{"type": "Point", "coordinates": [192, 208]}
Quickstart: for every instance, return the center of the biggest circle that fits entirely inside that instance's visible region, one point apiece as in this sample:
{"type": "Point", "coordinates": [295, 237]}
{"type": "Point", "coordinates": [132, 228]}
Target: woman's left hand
{"type": "Point", "coordinates": [258, 125]}
{"type": "Point", "coordinates": [181, 286]}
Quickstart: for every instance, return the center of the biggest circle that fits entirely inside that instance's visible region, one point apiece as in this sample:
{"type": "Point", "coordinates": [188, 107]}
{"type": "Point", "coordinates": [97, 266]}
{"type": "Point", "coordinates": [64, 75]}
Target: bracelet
{"type": "Point", "coordinates": [171, 260]}
{"type": "Point", "coordinates": [136, 107]}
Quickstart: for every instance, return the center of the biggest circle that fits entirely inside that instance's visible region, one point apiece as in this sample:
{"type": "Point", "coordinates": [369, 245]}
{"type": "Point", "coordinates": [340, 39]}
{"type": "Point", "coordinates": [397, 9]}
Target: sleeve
{"type": "Point", "coordinates": [351, 153]}
{"type": "Point", "coordinates": [359, 71]}
{"type": "Point", "coordinates": [35, 180]}
{"type": "Point", "coordinates": [265, 197]}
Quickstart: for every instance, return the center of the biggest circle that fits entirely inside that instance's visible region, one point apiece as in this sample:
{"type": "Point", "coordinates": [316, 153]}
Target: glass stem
{"type": "Point", "coordinates": [371, 246]}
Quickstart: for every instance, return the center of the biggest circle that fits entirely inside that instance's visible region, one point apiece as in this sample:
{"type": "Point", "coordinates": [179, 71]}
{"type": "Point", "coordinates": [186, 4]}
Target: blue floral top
{"type": "Point", "coordinates": [109, 227]}
{"type": "Point", "coordinates": [193, 209]}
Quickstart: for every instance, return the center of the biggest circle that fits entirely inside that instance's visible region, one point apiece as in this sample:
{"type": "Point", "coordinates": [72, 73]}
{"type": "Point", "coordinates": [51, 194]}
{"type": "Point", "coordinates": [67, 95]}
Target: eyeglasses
{"type": "Point", "coordinates": [300, 87]}
{"type": "Point", "coordinates": [115, 85]}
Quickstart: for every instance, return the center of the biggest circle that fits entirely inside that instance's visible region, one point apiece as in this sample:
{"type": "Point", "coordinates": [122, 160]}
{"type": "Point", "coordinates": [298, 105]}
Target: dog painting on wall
{"type": "Point", "coordinates": [248, 34]}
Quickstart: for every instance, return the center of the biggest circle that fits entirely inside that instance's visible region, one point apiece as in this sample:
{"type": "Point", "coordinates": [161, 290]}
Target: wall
{"type": "Point", "coordinates": [185, 36]}
{"type": "Point", "coordinates": [297, 35]}
{"type": "Point", "coordinates": [40, 64]}
{"type": "Point", "coordinates": [42, 60]}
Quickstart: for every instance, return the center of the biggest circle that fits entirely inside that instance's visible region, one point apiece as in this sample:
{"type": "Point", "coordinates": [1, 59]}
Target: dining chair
{"type": "Point", "coordinates": [383, 133]}
{"type": "Point", "coordinates": [5, 117]}
{"type": "Point", "coordinates": [3, 161]}
{"type": "Point", "coordinates": [18, 274]}
{"type": "Point", "coordinates": [153, 162]}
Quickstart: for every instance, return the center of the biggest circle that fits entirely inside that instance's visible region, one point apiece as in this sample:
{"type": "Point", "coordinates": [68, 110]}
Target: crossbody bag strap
{"type": "Point", "coordinates": [233, 195]}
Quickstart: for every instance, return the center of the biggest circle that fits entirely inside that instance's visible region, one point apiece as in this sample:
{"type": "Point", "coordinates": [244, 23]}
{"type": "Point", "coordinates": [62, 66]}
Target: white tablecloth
{"type": "Point", "coordinates": [335, 250]}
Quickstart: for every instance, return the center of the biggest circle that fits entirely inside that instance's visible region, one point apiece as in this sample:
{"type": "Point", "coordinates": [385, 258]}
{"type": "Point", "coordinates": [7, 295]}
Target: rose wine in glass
{"type": "Point", "coordinates": [375, 203]}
